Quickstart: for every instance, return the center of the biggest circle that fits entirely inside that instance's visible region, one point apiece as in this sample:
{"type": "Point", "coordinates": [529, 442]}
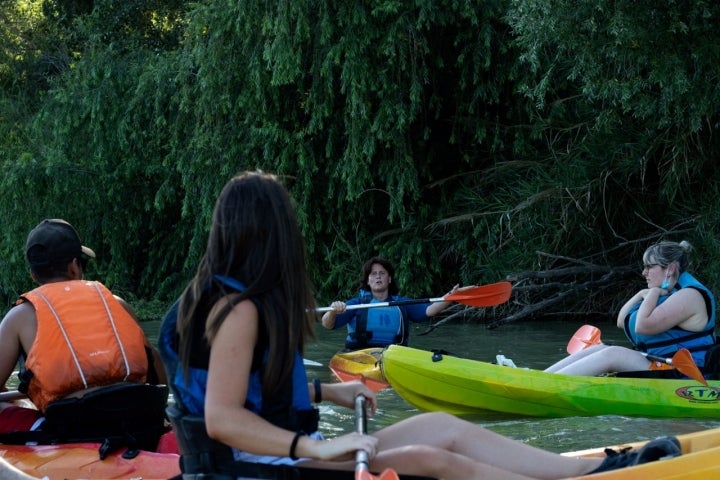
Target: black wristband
{"type": "Point", "coordinates": [294, 443]}
{"type": "Point", "coordinates": [318, 390]}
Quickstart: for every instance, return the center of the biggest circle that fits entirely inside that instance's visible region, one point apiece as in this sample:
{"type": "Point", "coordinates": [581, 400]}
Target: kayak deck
{"type": "Point", "coordinates": [363, 365]}
{"type": "Point", "coordinates": [700, 459]}
{"type": "Point", "coordinates": [81, 460]}
{"type": "Point", "coordinates": [462, 386]}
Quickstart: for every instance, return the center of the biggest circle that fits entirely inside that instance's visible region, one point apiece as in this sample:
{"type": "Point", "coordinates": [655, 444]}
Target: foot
{"type": "Point", "coordinates": [662, 447]}
{"type": "Point", "coordinates": [503, 360]}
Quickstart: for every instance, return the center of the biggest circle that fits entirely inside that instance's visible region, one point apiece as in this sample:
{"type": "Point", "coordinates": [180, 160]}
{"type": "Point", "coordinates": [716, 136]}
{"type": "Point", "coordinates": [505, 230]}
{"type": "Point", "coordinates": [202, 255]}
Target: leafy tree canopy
{"type": "Point", "coordinates": [464, 141]}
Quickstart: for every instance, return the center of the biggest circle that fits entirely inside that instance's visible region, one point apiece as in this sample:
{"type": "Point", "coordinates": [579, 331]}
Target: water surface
{"type": "Point", "coordinates": [528, 344]}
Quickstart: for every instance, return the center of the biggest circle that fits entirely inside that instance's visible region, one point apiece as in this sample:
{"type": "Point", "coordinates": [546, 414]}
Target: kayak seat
{"type": "Point", "coordinates": [128, 415]}
{"type": "Point", "coordinates": [203, 458]}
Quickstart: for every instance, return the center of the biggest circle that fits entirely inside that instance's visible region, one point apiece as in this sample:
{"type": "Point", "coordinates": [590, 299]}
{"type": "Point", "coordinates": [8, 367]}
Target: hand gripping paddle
{"type": "Point", "coordinates": [362, 468]}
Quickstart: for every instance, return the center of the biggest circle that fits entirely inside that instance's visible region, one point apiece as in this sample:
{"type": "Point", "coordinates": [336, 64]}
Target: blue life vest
{"type": "Point", "coordinates": [666, 343]}
{"type": "Point", "coordinates": [291, 409]}
{"type": "Point", "coordinates": [376, 326]}
{"type": "Point", "coordinates": [379, 326]}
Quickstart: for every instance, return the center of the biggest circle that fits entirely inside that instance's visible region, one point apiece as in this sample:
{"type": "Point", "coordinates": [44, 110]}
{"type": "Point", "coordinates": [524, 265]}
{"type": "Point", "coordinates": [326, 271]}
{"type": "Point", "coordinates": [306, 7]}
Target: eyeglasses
{"type": "Point", "coordinates": [378, 274]}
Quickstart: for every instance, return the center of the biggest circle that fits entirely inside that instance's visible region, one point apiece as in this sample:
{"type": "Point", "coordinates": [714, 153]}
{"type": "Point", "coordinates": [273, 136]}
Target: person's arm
{"type": "Point", "coordinates": [17, 330]}
{"type": "Point", "coordinates": [9, 349]}
{"type": "Point", "coordinates": [637, 298]}
{"type": "Point", "coordinates": [342, 393]}
{"type": "Point", "coordinates": [226, 418]}
{"type": "Point", "coordinates": [437, 307]}
{"type": "Point", "coordinates": [684, 308]}
{"type": "Point", "coordinates": [328, 319]}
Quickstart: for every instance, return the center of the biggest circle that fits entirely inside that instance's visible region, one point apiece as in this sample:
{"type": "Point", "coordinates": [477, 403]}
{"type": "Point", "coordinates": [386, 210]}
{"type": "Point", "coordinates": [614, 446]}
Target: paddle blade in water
{"type": "Point", "coordinates": [585, 336]}
{"type": "Point", "coordinates": [483, 295]}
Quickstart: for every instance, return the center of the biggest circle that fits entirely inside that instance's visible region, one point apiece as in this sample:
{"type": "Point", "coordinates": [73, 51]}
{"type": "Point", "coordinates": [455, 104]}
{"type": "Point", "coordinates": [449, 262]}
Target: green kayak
{"type": "Point", "coordinates": [431, 381]}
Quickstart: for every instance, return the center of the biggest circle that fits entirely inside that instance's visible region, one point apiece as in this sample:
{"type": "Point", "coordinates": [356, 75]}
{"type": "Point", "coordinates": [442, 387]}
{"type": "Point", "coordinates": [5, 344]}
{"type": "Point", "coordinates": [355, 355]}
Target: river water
{"type": "Point", "coordinates": [528, 344]}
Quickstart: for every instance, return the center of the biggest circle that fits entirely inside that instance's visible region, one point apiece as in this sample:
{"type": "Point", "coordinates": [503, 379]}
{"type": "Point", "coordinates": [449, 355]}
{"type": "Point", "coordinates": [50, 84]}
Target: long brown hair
{"type": "Point", "coordinates": [256, 240]}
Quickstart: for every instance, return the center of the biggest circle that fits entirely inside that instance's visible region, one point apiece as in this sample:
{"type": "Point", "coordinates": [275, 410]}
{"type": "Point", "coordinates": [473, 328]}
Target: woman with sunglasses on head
{"type": "Point", "coordinates": [675, 311]}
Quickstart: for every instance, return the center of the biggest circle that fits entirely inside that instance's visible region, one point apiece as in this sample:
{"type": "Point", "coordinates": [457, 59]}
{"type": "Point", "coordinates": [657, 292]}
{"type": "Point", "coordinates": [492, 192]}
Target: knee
{"type": "Point", "coordinates": [438, 418]}
{"type": "Point", "coordinates": [424, 459]}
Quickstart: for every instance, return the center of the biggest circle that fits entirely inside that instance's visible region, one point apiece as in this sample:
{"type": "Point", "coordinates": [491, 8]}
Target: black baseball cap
{"type": "Point", "coordinates": [52, 241]}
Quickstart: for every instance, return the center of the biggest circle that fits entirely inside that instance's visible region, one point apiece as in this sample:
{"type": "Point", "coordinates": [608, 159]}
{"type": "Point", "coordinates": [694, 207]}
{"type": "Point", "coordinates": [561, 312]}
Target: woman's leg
{"type": "Point", "coordinates": [479, 447]}
{"type": "Point", "coordinates": [608, 359]}
{"type": "Point", "coordinates": [570, 359]}
{"type": "Point", "coordinates": [427, 461]}
{"type": "Point", "coordinates": [439, 463]}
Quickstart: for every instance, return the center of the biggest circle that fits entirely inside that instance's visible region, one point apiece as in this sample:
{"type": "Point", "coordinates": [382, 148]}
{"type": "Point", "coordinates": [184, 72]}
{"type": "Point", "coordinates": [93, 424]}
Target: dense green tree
{"type": "Point", "coordinates": [89, 153]}
{"type": "Point", "coordinates": [465, 141]}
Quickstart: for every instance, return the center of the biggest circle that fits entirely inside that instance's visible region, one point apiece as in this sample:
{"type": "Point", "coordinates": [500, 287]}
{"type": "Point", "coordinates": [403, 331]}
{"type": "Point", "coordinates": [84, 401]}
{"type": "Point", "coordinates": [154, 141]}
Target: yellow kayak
{"type": "Point", "coordinates": [363, 365]}
{"type": "Point", "coordinates": [700, 460]}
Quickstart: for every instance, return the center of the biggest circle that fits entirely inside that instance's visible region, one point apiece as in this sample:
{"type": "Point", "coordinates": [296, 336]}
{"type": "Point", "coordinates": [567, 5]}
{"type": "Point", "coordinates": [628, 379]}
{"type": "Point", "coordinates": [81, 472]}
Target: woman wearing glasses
{"type": "Point", "coordinates": [675, 311]}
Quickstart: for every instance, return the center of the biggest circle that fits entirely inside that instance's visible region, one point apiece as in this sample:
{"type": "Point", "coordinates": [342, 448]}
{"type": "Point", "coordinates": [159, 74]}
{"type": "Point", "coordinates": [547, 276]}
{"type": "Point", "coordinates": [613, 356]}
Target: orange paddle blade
{"type": "Point", "coordinates": [387, 474]}
{"type": "Point", "coordinates": [483, 295]}
{"type": "Point", "coordinates": [585, 336]}
{"type": "Point", "coordinates": [685, 363]}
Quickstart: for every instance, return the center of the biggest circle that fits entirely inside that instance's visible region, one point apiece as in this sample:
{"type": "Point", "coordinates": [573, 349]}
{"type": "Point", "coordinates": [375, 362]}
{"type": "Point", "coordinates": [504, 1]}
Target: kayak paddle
{"type": "Point", "coordinates": [362, 464]}
{"type": "Point", "coordinates": [683, 361]}
{"type": "Point", "coordinates": [11, 396]}
{"type": "Point", "coordinates": [475, 296]}
{"type": "Point", "coordinates": [584, 337]}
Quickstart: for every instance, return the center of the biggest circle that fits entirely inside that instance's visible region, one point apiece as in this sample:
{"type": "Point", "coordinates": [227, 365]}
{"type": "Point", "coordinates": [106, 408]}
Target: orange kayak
{"type": "Point", "coordinates": [71, 461]}
{"type": "Point", "coordinates": [363, 365]}
{"type": "Point", "coordinates": [700, 460]}
{"type": "Point", "coordinates": [81, 461]}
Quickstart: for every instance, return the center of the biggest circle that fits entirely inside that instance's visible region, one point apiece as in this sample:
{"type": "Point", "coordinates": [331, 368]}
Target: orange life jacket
{"type": "Point", "coordinates": [85, 338]}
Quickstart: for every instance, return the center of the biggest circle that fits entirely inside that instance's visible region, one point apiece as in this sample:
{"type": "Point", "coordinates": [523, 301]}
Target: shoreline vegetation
{"type": "Point", "coordinates": [479, 142]}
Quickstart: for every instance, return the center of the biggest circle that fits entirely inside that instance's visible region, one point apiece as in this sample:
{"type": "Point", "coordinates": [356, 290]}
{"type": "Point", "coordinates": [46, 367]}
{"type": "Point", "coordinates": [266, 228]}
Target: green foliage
{"type": "Point", "coordinates": [462, 140]}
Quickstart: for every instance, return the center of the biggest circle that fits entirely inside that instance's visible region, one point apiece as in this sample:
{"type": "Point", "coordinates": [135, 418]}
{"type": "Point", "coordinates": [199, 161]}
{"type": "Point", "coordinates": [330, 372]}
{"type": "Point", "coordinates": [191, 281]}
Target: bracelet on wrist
{"type": "Point", "coordinates": [294, 443]}
{"type": "Point", "coordinates": [318, 390]}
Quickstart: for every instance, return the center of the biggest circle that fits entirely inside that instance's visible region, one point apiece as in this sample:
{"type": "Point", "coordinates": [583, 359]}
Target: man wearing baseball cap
{"type": "Point", "coordinates": [71, 336]}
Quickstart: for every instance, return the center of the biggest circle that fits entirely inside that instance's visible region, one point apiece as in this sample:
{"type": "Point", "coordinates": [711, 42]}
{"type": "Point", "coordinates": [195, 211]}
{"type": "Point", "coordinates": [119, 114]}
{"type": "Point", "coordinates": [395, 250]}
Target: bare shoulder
{"type": "Point", "coordinates": [245, 309]}
{"type": "Point", "coordinates": [240, 327]}
{"type": "Point", "coordinates": [20, 322]}
{"type": "Point", "coordinates": [19, 315]}
{"type": "Point", "coordinates": [242, 309]}
{"type": "Point", "coordinates": [689, 296]}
